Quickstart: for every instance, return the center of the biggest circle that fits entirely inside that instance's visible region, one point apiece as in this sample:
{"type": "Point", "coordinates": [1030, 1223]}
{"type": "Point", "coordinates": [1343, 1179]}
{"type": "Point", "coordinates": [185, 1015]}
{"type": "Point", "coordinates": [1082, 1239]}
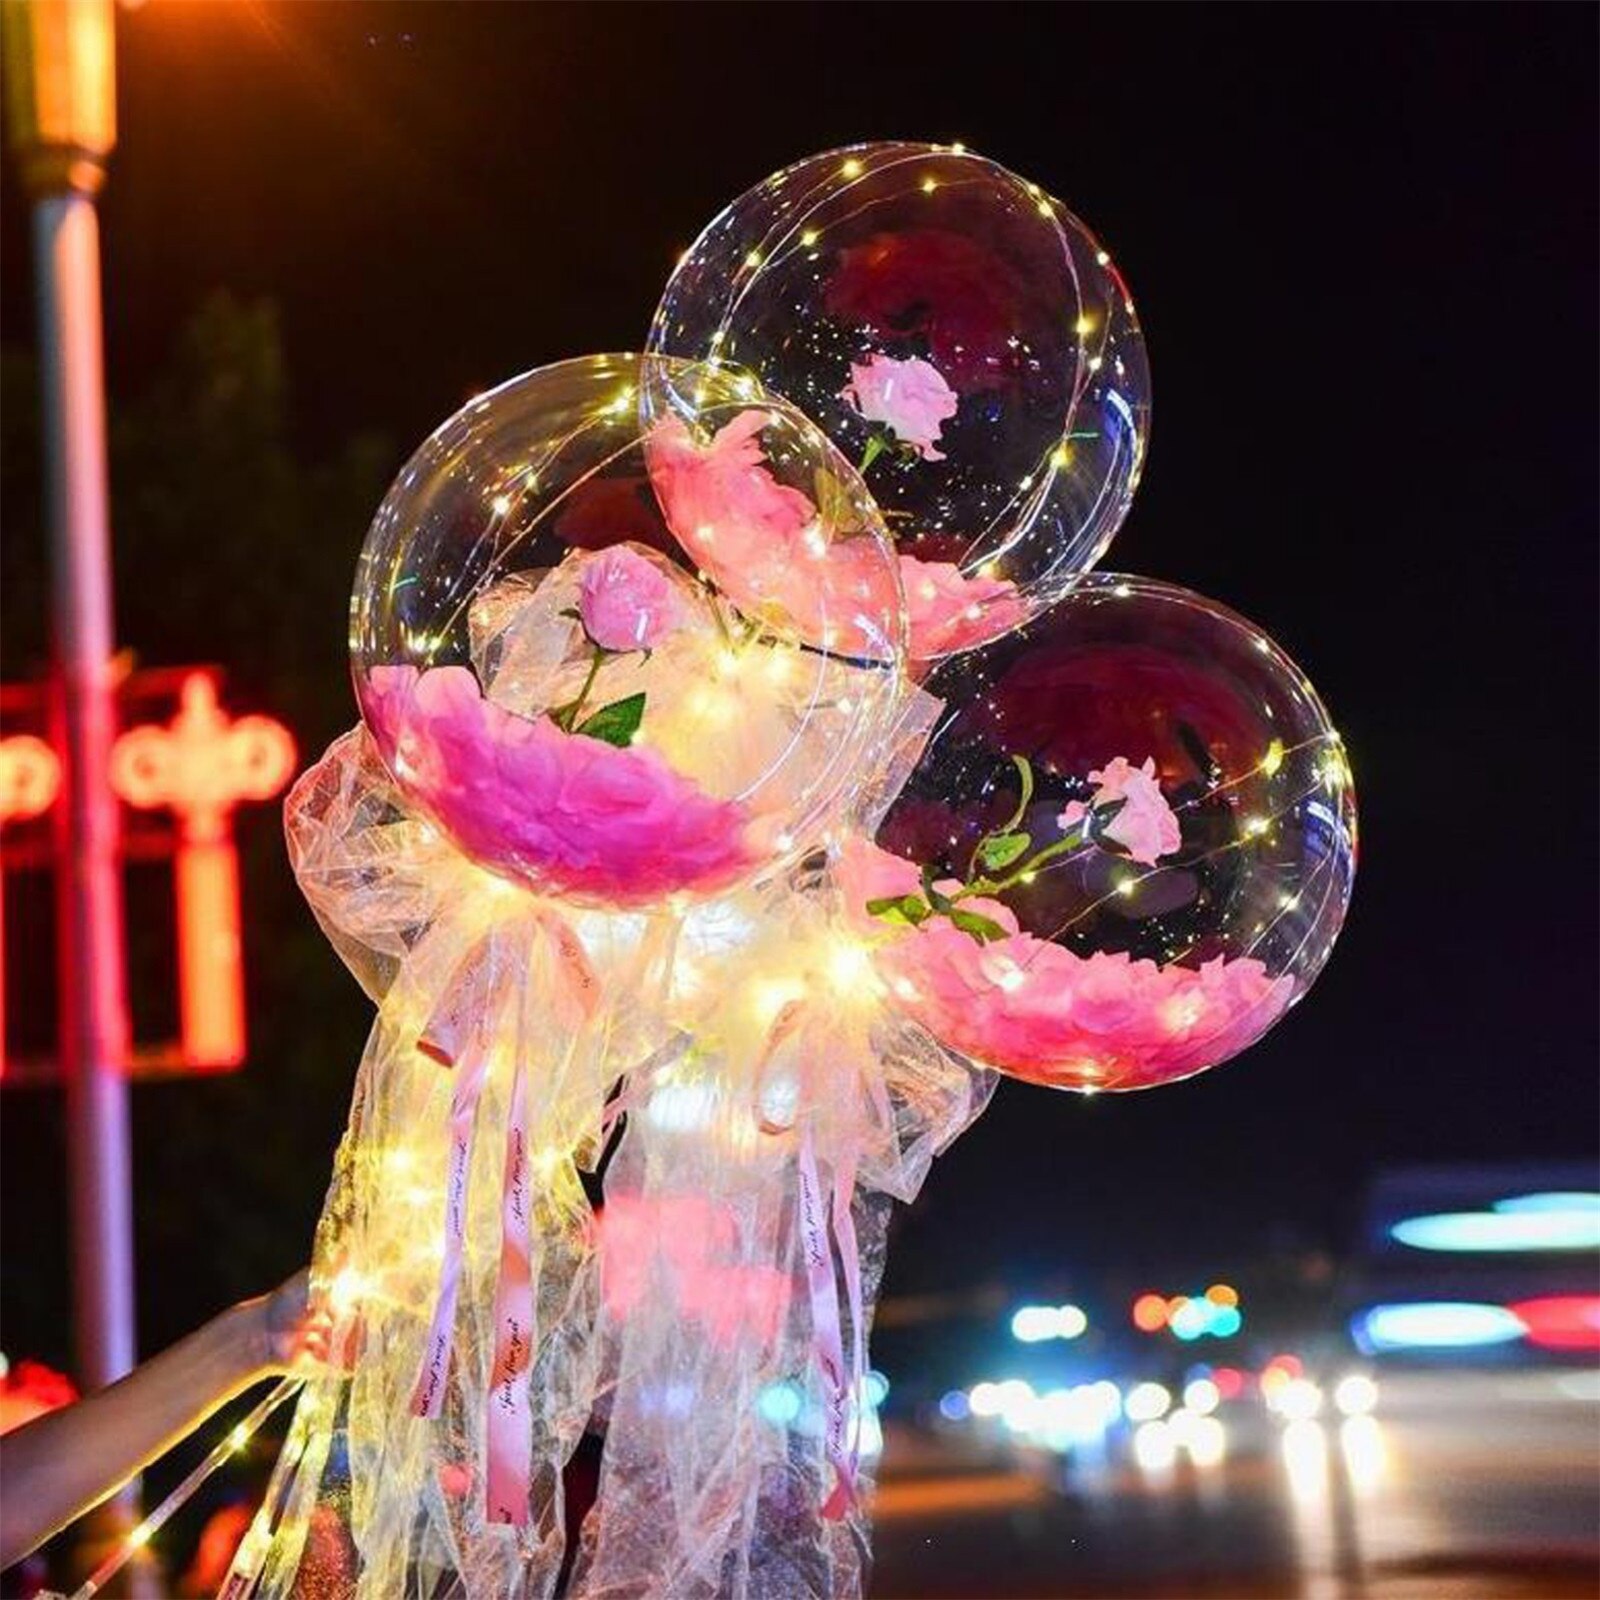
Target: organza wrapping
{"type": "Point", "coordinates": [715, 1466]}
{"type": "Point", "coordinates": [673, 1317]}
{"type": "Point", "coordinates": [470, 968]}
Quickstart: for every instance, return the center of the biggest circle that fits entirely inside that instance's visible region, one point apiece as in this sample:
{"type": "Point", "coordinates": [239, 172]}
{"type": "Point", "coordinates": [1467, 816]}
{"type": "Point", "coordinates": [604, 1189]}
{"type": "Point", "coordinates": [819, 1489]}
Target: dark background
{"type": "Point", "coordinates": [1363, 245]}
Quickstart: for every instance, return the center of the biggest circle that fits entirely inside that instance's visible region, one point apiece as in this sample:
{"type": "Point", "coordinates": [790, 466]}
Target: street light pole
{"type": "Point", "coordinates": [60, 93]}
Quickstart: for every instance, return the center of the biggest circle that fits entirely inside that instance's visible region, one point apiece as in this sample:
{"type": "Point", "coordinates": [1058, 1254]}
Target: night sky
{"type": "Point", "coordinates": [1363, 244]}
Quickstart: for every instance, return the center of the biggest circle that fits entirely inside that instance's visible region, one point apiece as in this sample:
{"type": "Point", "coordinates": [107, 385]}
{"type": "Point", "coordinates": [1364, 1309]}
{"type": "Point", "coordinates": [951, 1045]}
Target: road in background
{"type": "Point", "coordinates": [1461, 1486]}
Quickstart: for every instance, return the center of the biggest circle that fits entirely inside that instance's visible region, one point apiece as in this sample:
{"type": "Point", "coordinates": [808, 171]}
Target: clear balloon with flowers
{"type": "Point", "coordinates": [751, 771]}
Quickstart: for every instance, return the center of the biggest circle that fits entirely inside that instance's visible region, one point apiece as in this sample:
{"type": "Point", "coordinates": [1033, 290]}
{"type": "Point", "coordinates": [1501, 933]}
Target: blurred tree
{"type": "Point", "coordinates": [230, 548]}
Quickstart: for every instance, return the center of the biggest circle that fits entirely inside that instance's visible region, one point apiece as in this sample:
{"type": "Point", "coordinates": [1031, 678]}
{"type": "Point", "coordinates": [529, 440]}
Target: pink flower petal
{"type": "Point", "coordinates": [1042, 1012]}
{"type": "Point", "coordinates": [949, 611]}
{"type": "Point", "coordinates": [562, 812]}
{"type": "Point", "coordinates": [910, 398]}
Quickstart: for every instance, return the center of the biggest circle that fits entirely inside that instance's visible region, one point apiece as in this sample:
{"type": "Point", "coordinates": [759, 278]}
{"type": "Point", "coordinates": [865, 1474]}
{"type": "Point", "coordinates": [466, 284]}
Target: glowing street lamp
{"type": "Point", "coordinates": [60, 93]}
{"type": "Point", "coordinates": [60, 103]}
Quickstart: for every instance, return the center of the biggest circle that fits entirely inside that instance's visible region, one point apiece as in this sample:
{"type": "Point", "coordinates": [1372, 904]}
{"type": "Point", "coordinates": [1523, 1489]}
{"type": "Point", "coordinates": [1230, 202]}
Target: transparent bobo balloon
{"type": "Point", "coordinates": [622, 662]}
{"type": "Point", "coordinates": [1126, 851]}
{"type": "Point", "coordinates": [962, 337]}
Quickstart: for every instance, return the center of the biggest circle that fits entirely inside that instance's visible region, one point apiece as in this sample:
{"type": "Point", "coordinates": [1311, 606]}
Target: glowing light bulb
{"type": "Point", "coordinates": [929, 185]}
{"type": "Point", "coordinates": [1061, 458]}
{"type": "Point", "coordinates": [141, 1536]}
{"type": "Point", "coordinates": [347, 1290]}
{"type": "Point", "coordinates": [808, 238]}
{"type": "Point", "coordinates": [768, 996]}
{"type": "Point", "coordinates": [713, 704]}
{"type": "Point", "coordinates": [1256, 826]}
{"type": "Point", "coordinates": [753, 259]}
{"type": "Point", "coordinates": [848, 964]}
{"type": "Point", "coordinates": [501, 504]}
{"type": "Point", "coordinates": [1010, 976]}
{"type": "Point", "coordinates": [1273, 759]}
{"type": "Point", "coordinates": [1126, 886]}
{"type": "Point", "coordinates": [851, 168]}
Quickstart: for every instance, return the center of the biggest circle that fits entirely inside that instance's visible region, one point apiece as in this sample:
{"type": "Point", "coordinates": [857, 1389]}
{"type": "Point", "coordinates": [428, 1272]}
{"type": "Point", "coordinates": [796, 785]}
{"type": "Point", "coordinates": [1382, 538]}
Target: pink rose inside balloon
{"type": "Point", "coordinates": [1125, 852]}
{"type": "Point", "coordinates": [619, 663]}
{"type": "Point", "coordinates": [626, 602]}
{"type": "Point", "coordinates": [966, 342]}
{"type": "Point", "coordinates": [909, 397]}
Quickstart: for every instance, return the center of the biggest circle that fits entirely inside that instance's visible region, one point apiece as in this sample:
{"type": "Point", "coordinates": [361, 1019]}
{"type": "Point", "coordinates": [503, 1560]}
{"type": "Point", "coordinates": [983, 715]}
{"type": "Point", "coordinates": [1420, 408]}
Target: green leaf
{"type": "Point", "coordinates": [938, 900]}
{"type": "Point", "coordinates": [1025, 772]}
{"type": "Point", "coordinates": [999, 850]}
{"type": "Point", "coordinates": [906, 909]}
{"type": "Point", "coordinates": [616, 723]}
{"type": "Point", "coordinates": [984, 929]}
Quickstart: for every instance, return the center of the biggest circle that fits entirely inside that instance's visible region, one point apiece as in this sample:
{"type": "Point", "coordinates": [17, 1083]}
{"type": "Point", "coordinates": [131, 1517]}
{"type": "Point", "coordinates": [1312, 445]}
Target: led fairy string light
{"type": "Point", "coordinates": [913, 257]}
{"type": "Point", "coordinates": [795, 1088]}
{"type": "Point", "coordinates": [236, 1438]}
{"type": "Point", "coordinates": [1078, 839]}
{"type": "Point", "coordinates": [1253, 827]}
{"type": "Point", "coordinates": [254, 1547]}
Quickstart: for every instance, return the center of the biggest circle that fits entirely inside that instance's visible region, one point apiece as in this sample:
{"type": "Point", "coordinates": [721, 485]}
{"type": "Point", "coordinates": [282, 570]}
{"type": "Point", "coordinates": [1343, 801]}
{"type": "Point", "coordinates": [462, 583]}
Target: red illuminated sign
{"type": "Point", "coordinates": [30, 780]}
{"type": "Point", "coordinates": [196, 767]}
{"type": "Point", "coordinates": [199, 767]}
